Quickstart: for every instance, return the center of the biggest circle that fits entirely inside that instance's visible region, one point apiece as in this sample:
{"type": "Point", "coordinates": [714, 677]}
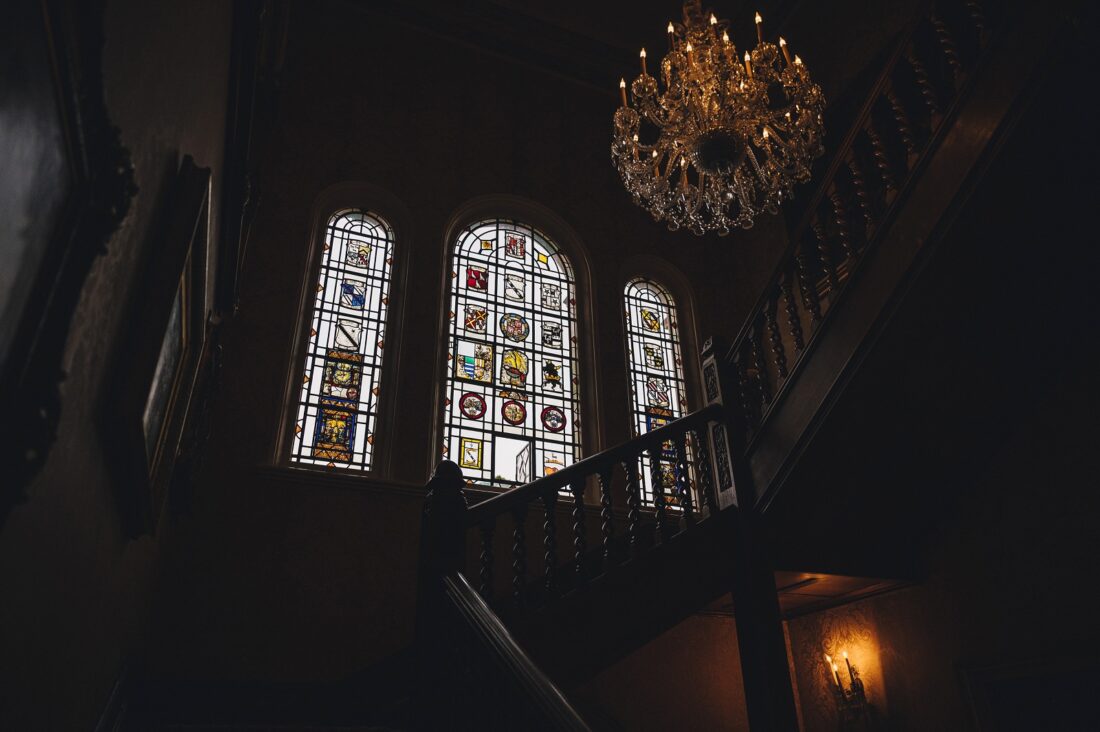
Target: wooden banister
{"type": "Point", "coordinates": [538, 703]}
{"type": "Point", "coordinates": [507, 501]}
{"type": "Point", "coordinates": [896, 130]}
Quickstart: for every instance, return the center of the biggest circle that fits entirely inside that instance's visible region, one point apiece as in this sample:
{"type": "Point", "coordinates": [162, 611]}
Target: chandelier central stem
{"type": "Point", "coordinates": [693, 12]}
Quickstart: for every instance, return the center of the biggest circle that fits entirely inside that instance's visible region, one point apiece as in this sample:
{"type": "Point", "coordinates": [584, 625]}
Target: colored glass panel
{"type": "Point", "coordinates": [335, 419]}
{"type": "Point", "coordinates": [515, 348]}
{"type": "Point", "coordinates": [656, 373]}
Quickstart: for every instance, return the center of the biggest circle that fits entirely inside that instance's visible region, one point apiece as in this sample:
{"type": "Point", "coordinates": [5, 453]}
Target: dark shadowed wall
{"type": "Point", "coordinates": [76, 592]}
{"type": "Point", "coordinates": [688, 678]}
{"type": "Point", "coordinates": [983, 466]}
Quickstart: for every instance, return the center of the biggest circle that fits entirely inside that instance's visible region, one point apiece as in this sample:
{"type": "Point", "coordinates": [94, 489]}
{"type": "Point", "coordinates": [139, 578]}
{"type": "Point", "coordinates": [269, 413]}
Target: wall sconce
{"type": "Point", "coordinates": [852, 702]}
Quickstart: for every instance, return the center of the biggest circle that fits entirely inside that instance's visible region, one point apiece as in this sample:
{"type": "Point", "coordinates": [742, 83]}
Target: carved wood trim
{"type": "Point", "coordinates": [98, 200]}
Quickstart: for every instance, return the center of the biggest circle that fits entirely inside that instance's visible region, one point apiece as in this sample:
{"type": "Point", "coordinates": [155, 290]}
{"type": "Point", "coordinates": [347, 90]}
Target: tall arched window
{"type": "Point", "coordinates": [656, 370]}
{"type": "Point", "coordinates": [335, 420]}
{"type": "Point", "coordinates": [511, 404]}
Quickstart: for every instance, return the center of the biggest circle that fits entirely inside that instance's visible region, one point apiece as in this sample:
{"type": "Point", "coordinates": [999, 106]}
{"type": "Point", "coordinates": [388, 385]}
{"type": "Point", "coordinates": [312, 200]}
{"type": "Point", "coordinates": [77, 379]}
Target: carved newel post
{"type": "Point", "coordinates": [442, 551]}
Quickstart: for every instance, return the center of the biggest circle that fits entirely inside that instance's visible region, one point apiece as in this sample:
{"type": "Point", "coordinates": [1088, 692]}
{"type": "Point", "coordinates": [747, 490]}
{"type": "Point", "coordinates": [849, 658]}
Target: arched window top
{"type": "Point", "coordinates": [359, 223]}
{"type": "Point", "coordinates": [338, 405]}
{"type": "Point", "coordinates": [524, 247]}
{"type": "Point", "coordinates": [511, 392]}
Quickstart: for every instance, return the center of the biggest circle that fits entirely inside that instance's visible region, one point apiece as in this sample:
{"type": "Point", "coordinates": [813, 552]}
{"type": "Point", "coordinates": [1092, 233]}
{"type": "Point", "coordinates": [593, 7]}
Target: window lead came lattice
{"type": "Point", "coordinates": [511, 390]}
{"type": "Point", "coordinates": [335, 420]}
{"type": "Point", "coordinates": [656, 373]}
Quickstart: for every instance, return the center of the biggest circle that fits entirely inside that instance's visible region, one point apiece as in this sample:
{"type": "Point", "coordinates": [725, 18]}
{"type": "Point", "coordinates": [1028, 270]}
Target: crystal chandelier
{"type": "Point", "coordinates": [734, 134]}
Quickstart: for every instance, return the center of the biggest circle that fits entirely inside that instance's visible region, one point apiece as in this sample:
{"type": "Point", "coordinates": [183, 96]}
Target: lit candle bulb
{"type": "Point", "coordinates": [765, 133]}
{"type": "Point", "coordinates": [642, 57]}
{"type": "Point", "coordinates": [725, 37]}
{"type": "Point", "coordinates": [622, 90]}
{"type": "Point", "coordinates": [748, 64]}
{"type": "Point", "coordinates": [671, 38]}
{"type": "Point", "coordinates": [836, 675]}
{"type": "Point", "coordinates": [785, 50]}
{"type": "Point", "coordinates": [759, 29]}
{"type": "Point", "coordinates": [713, 20]}
{"type": "Point", "coordinates": [851, 675]}
{"type": "Point", "coordinates": [797, 60]}
{"type": "Point", "coordinates": [690, 52]}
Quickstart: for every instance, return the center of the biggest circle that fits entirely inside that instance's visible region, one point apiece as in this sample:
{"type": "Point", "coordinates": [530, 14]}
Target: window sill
{"type": "Point", "coordinates": [333, 479]}
{"type": "Point", "coordinates": [313, 478]}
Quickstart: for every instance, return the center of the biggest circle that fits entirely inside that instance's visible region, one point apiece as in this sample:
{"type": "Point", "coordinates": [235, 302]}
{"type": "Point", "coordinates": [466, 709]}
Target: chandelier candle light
{"type": "Point", "coordinates": [733, 134]}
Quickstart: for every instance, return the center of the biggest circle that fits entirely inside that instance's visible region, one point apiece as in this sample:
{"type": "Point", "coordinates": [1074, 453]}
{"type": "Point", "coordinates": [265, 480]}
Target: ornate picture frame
{"type": "Point", "coordinates": [157, 365]}
{"type": "Point", "coordinates": [67, 185]}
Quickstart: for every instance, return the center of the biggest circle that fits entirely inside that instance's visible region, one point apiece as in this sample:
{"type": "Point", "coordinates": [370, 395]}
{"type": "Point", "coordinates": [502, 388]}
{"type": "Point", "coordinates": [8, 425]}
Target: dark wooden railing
{"type": "Point", "coordinates": [896, 130]}
{"type": "Point", "coordinates": [503, 688]}
{"type": "Point", "coordinates": [472, 673]}
{"type": "Point", "coordinates": [617, 474]}
{"type": "Point", "coordinates": [465, 650]}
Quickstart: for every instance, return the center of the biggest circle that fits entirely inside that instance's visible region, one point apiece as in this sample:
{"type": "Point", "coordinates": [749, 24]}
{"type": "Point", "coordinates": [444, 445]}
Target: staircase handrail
{"type": "Point", "coordinates": [898, 126]}
{"type": "Point", "coordinates": [540, 700]}
{"type": "Point", "coordinates": [505, 502]}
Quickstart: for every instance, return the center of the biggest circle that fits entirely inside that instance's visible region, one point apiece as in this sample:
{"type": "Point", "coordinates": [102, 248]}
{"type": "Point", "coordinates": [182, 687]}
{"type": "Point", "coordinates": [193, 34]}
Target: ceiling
{"type": "Point", "coordinates": [595, 43]}
{"type": "Point", "coordinates": [804, 592]}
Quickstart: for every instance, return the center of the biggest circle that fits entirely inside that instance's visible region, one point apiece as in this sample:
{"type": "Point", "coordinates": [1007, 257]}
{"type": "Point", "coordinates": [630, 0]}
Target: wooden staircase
{"type": "Point", "coordinates": [579, 596]}
{"type": "Point", "coordinates": [538, 590]}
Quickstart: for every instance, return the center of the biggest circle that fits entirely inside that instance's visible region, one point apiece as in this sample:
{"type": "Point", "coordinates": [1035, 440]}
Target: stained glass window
{"type": "Point", "coordinates": [656, 372]}
{"type": "Point", "coordinates": [335, 421]}
{"type": "Point", "coordinates": [511, 407]}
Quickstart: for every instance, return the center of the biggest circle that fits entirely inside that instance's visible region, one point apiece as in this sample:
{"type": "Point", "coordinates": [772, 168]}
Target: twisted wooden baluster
{"type": "Point", "coordinates": [607, 526]}
{"type": "Point", "coordinates": [519, 552]}
{"type": "Point", "coordinates": [743, 391]}
{"type": "Point", "coordinates": [927, 92]}
{"type": "Point", "coordinates": [809, 291]}
{"type": "Point", "coordinates": [549, 540]}
{"type": "Point", "coordinates": [580, 542]}
{"type": "Point", "coordinates": [824, 254]}
{"type": "Point", "coordinates": [794, 323]}
{"type": "Point", "coordinates": [774, 338]}
{"type": "Point", "coordinates": [660, 532]}
{"type": "Point", "coordinates": [485, 573]}
{"type": "Point", "coordinates": [905, 130]}
{"type": "Point", "coordinates": [882, 162]}
{"type": "Point", "coordinates": [977, 17]}
{"type": "Point", "coordinates": [947, 45]}
{"type": "Point", "coordinates": [762, 380]}
{"type": "Point", "coordinates": [683, 481]}
{"type": "Point", "coordinates": [860, 188]}
{"type": "Point", "coordinates": [840, 216]}
{"type": "Point", "coordinates": [633, 505]}
{"type": "Point", "coordinates": [702, 468]}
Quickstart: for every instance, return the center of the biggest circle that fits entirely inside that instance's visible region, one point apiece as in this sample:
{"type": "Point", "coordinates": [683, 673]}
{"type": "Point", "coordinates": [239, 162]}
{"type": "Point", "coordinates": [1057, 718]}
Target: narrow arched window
{"type": "Point", "coordinates": [510, 395]}
{"type": "Point", "coordinates": [656, 371]}
{"type": "Point", "coordinates": [335, 420]}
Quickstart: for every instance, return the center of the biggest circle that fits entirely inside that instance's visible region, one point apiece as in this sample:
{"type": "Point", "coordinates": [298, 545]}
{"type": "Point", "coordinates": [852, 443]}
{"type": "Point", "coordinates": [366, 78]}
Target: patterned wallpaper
{"type": "Point", "coordinates": [852, 628]}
